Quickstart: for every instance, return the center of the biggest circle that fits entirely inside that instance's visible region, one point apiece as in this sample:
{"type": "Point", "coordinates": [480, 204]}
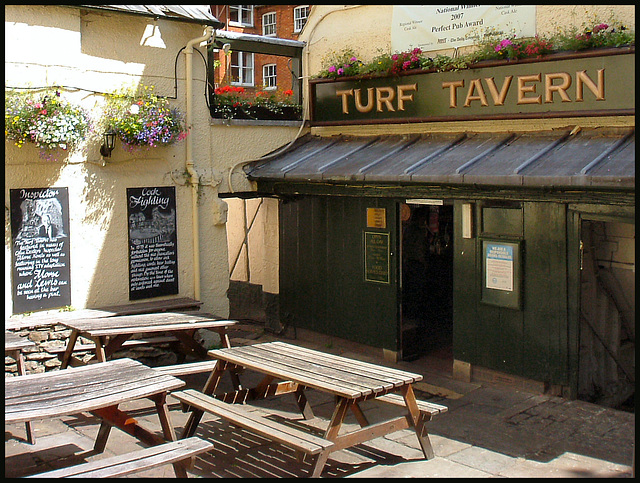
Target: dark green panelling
{"type": "Point", "coordinates": [322, 272]}
{"type": "Point", "coordinates": [546, 325]}
{"type": "Point", "coordinates": [466, 293]}
{"type": "Point", "coordinates": [531, 342]}
{"type": "Point", "coordinates": [502, 221]}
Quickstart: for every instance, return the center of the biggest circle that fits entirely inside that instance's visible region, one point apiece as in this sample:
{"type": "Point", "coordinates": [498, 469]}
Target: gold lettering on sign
{"type": "Point", "coordinates": [453, 95]}
{"type": "Point", "coordinates": [358, 98]}
{"type": "Point", "coordinates": [345, 102]}
{"type": "Point", "coordinates": [550, 87]}
{"type": "Point", "coordinates": [555, 83]}
{"type": "Point", "coordinates": [582, 79]}
{"type": "Point", "coordinates": [499, 97]}
{"type": "Point", "coordinates": [523, 89]}
{"type": "Point", "coordinates": [385, 95]}
{"type": "Point", "coordinates": [402, 97]}
{"type": "Point", "coordinates": [476, 85]}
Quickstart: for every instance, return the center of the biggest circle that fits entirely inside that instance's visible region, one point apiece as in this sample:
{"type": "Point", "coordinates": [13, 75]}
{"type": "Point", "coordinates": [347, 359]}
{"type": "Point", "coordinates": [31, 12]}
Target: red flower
{"type": "Point", "coordinates": [288, 92]}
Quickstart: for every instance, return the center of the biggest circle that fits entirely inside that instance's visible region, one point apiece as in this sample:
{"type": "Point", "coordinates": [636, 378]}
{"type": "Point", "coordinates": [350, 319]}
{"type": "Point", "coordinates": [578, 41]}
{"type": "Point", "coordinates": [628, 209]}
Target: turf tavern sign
{"type": "Point", "coordinates": [595, 85]}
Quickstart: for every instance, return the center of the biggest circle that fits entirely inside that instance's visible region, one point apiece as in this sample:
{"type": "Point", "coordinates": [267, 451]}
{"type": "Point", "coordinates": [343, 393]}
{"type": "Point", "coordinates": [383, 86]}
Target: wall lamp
{"type": "Point", "coordinates": [108, 143]}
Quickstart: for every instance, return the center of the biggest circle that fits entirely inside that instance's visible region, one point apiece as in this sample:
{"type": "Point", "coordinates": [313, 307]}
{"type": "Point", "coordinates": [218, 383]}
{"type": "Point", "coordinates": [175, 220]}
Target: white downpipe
{"type": "Point", "coordinates": [193, 174]}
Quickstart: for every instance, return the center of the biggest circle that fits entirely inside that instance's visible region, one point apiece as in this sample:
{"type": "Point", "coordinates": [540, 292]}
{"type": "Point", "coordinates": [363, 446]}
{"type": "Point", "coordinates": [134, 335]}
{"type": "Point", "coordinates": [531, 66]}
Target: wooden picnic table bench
{"type": "Point", "coordinates": [13, 345]}
{"type": "Point", "coordinates": [44, 319]}
{"type": "Point", "coordinates": [110, 333]}
{"type": "Point", "coordinates": [133, 462]}
{"type": "Point", "coordinates": [99, 389]}
{"type": "Point", "coordinates": [292, 369]}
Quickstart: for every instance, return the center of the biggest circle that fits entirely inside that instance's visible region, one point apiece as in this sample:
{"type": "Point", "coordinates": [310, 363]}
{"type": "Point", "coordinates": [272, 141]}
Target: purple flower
{"type": "Point", "coordinates": [332, 68]}
{"type": "Point", "coordinates": [340, 71]}
{"type": "Point", "coordinates": [503, 45]}
{"type": "Point", "coordinates": [353, 59]}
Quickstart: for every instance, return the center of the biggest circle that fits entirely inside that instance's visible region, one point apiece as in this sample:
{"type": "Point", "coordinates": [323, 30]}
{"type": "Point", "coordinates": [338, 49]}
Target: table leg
{"type": "Point", "coordinates": [339, 413]}
{"type": "Point", "coordinates": [17, 355]}
{"type": "Point", "coordinates": [303, 403]}
{"type": "Point", "coordinates": [106, 349]}
{"type": "Point", "coordinates": [73, 337]}
{"type": "Point", "coordinates": [189, 343]}
{"type": "Point", "coordinates": [418, 422]}
{"type": "Point", "coordinates": [112, 416]}
{"type": "Point", "coordinates": [160, 401]}
{"type": "Point", "coordinates": [209, 387]}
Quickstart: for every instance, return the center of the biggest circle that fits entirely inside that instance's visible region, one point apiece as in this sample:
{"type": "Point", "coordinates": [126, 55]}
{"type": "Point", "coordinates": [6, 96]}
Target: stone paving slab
{"type": "Point", "coordinates": [489, 431]}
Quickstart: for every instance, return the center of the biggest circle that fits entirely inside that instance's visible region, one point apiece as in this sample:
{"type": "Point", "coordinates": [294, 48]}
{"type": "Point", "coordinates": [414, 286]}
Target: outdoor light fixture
{"type": "Point", "coordinates": [108, 143]}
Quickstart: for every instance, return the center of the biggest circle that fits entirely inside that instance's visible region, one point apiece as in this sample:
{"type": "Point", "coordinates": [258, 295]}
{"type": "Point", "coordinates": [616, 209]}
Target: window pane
{"type": "Point", "coordinates": [269, 24]}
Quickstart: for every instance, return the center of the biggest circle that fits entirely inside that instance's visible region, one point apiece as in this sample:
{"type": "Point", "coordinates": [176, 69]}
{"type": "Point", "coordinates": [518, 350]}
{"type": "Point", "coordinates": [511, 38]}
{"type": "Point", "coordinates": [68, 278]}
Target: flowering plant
{"type": "Point", "coordinates": [236, 101]}
{"type": "Point", "coordinates": [493, 45]}
{"type": "Point", "coordinates": [44, 119]}
{"type": "Point", "coordinates": [142, 119]}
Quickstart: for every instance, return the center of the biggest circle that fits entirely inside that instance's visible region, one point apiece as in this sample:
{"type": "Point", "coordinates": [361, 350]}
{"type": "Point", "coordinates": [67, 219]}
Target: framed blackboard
{"type": "Point", "coordinates": [153, 250]}
{"type": "Point", "coordinates": [376, 257]}
{"type": "Point", "coordinates": [40, 249]}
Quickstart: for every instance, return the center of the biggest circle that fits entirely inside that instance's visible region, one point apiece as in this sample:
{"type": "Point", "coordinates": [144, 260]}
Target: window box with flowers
{"type": "Point", "coordinates": [142, 120]}
{"type": "Point", "coordinates": [235, 102]}
{"type": "Point", "coordinates": [493, 47]}
{"type": "Point", "coordinates": [45, 119]}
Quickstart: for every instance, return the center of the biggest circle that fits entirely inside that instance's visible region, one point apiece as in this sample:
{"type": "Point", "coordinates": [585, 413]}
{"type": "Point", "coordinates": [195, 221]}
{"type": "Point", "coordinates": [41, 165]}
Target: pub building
{"type": "Point", "coordinates": [488, 212]}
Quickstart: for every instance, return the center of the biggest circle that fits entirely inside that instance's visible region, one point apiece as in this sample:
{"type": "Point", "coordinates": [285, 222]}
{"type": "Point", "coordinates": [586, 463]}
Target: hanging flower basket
{"type": "Point", "coordinates": [44, 119]}
{"type": "Point", "coordinates": [143, 120]}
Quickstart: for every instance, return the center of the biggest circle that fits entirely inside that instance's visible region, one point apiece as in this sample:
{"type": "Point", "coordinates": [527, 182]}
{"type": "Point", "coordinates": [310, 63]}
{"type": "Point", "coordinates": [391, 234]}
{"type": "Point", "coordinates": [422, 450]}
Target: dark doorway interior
{"type": "Point", "coordinates": [427, 280]}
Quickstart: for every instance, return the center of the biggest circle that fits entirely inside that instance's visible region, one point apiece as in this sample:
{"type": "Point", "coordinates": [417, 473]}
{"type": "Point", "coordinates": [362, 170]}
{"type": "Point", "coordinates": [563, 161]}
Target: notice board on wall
{"type": "Point", "coordinates": [153, 250]}
{"type": "Point", "coordinates": [40, 248]}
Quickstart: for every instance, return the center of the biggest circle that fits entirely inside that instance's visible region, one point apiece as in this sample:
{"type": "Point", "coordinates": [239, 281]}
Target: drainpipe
{"type": "Point", "coordinates": [193, 174]}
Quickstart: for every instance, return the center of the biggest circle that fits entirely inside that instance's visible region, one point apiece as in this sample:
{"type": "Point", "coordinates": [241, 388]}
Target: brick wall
{"type": "Point", "coordinates": [284, 30]}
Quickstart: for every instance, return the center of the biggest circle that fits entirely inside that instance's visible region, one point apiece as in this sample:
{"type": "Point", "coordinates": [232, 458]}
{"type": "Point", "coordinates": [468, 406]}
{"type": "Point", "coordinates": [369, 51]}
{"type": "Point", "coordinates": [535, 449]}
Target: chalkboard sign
{"type": "Point", "coordinates": [153, 252]}
{"type": "Point", "coordinates": [40, 248]}
{"type": "Point", "coordinates": [376, 257]}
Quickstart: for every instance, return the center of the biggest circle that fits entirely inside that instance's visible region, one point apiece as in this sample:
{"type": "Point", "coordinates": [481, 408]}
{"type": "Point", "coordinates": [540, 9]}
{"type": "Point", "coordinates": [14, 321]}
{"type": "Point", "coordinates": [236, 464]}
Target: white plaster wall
{"type": "Point", "coordinates": [90, 53]}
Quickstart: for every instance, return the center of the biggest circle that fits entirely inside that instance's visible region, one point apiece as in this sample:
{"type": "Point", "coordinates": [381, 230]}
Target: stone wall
{"type": "Point", "coordinates": [50, 344]}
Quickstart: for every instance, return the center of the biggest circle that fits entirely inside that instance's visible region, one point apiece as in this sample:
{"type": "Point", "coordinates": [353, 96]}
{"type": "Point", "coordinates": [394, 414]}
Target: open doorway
{"type": "Point", "coordinates": [426, 280]}
{"type": "Point", "coordinates": [606, 374]}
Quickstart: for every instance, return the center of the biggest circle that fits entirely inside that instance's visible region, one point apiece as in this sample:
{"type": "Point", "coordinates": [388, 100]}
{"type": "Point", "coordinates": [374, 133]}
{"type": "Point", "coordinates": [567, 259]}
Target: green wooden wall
{"type": "Point", "coordinates": [530, 341]}
{"type": "Point", "coordinates": [322, 283]}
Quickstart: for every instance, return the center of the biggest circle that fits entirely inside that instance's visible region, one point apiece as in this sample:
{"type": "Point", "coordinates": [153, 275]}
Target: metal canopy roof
{"type": "Point", "coordinates": [590, 159]}
{"type": "Point", "coordinates": [184, 13]}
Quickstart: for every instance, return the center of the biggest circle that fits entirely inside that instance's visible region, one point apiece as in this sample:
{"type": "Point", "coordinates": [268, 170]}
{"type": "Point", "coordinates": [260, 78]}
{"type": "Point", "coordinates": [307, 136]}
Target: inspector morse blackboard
{"type": "Point", "coordinates": [153, 252]}
{"type": "Point", "coordinates": [40, 249]}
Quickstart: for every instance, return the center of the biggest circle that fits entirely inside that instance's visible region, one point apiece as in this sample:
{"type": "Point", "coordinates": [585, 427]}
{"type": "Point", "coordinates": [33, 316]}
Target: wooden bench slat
{"type": "Point", "coordinates": [128, 344]}
{"type": "Point", "coordinates": [125, 464]}
{"type": "Point", "coordinates": [424, 406]}
{"type": "Point", "coordinates": [188, 368]}
{"type": "Point", "coordinates": [238, 416]}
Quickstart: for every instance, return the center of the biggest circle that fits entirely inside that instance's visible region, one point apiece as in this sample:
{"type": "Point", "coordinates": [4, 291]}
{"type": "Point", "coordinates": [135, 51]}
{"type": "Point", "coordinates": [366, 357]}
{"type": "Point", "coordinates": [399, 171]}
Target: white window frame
{"type": "Point", "coordinates": [269, 72]}
{"type": "Point", "coordinates": [245, 63]}
{"type": "Point", "coordinates": [241, 10]}
{"type": "Point", "coordinates": [298, 20]}
{"type": "Point", "coordinates": [268, 23]}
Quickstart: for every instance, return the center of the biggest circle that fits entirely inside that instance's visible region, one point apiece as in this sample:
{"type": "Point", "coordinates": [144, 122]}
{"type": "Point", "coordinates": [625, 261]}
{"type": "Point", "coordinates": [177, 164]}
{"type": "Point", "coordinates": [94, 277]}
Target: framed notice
{"type": "Point", "coordinates": [501, 273]}
{"type": "Point", "coordinates": [40, 248]}
{"type": "Point", "coordinates": [153, 252]}
{"type": "Point", "coordinates": [376, 257]}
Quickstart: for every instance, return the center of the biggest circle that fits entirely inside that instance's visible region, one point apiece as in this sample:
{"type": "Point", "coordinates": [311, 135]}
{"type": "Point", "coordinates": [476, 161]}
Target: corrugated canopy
{"type": "Point", "coordinates": [587, 159]}
{"type": "Point", "coordinates": [185, 13]}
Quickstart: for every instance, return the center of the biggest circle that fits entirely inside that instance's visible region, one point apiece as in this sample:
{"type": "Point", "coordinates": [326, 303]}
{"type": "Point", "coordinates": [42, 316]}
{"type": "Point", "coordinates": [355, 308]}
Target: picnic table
{"type": "Point", "coordinates": [292, 369]}
{"type": "Point", "coordinates": [98, 389]}
{"type": "Point", "coordinates": [13, 345]}
{"type": "Point", "coordinates": [109, 334]}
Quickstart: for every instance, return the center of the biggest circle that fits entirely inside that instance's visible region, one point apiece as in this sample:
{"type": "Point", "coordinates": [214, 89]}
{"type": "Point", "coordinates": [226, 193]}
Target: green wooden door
{"type": "Point", "coordinates": [338, 267]}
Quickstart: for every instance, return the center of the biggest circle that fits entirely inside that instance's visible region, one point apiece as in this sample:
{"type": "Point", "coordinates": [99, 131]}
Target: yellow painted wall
{"type": "Point", "coordinates": [90, 53]}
